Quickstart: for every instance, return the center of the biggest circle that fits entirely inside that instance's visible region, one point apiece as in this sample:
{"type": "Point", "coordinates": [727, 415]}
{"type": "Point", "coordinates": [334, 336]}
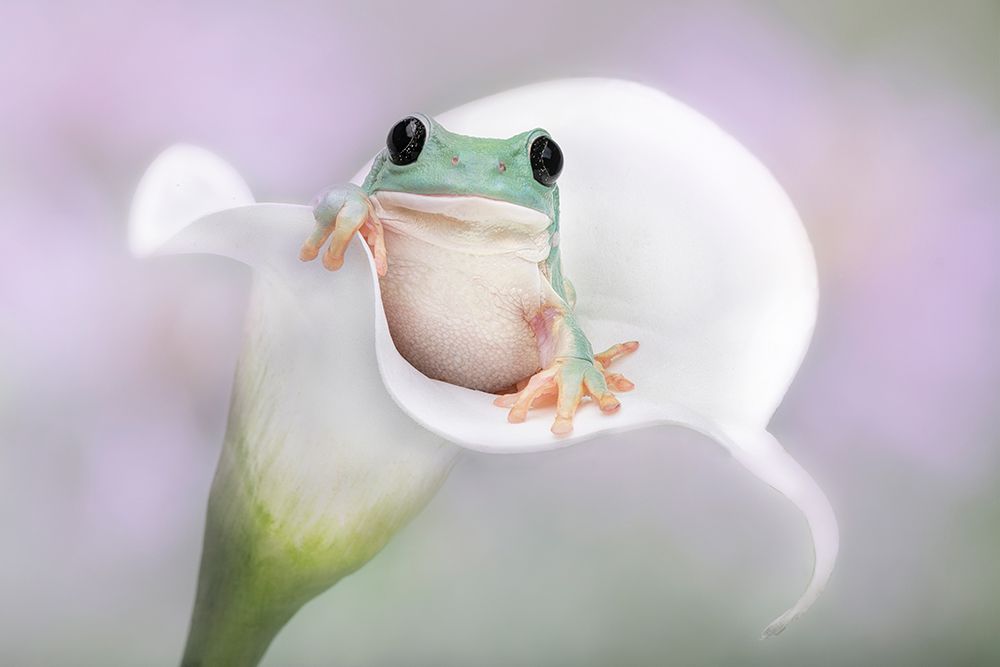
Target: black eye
{"type": "Point", "coordinates": [546, 160]}
{"type": "Point", "coordinates": [406, 140]}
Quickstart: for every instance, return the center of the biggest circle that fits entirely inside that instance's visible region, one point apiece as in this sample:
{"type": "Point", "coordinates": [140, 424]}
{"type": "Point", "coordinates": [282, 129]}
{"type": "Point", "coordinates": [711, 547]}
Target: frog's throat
{"type": "Point", "coordinates": [468, 223]}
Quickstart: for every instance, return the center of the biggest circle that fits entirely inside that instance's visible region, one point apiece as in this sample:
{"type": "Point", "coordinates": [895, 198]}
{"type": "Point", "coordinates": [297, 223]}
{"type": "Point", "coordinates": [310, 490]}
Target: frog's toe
{"type": "Point", "coordinates": [310, 249]}
{"type": "Point", "coordinates": [598, 388]}
{"type": "Point", "coordinates": [545, 399]}
{"type": "Point", "coordinates": [505, 400]}
{"type": "Point", "coordinates": [618, 382]}
{"type": "Point", "coordinates": [616, 352]}
{"type": "Point", "coordinates": [508, 397]}
{"type": "Point", "coordinates": [540, 382]}
{"type": "Point", "coordinates": [352, 216]}
{"type": "Point", "coordinates": [572, 385]}
{"type": "Point", "coordinates": [578, 379]}
{"type": "Point", "coordinates": [375, 237]}
{"type": "Point", "coordinates": [562, 426]}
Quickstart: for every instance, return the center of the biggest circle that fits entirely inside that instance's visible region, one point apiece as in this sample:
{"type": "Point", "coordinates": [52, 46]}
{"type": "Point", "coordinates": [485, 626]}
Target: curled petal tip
{"type": "Point", "coordinates": [183, 184]}
{"type": "Point", "coordinates": [778, 625]}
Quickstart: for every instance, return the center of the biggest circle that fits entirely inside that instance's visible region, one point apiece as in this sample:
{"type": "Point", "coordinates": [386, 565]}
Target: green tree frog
{"type": "Point", "coordinates": [464, 232]}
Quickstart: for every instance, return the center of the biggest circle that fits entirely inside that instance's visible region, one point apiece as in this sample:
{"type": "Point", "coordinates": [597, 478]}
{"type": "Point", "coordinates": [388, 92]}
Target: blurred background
{"type": "Point", "coordinates": [880, 119]}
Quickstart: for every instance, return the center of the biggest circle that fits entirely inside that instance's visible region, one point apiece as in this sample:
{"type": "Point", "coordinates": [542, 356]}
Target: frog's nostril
{"type": "Point", "coordinates": [502, 167]}
{"type": "Point", "coordinates": [454, 159]}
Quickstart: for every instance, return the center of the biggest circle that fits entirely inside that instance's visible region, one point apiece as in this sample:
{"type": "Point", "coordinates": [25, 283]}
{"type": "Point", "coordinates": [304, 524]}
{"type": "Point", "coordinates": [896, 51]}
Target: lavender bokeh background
{"type": "Point", "coordinates": [882, 121]}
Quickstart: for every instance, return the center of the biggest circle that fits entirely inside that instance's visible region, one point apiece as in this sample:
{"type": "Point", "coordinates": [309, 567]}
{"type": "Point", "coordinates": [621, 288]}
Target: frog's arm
{"type": "Point", "coordinates": [340, 211]}
{"type": "Point", "coordinates": [553, 263]}
{"type": "Point", "coordinates": [556, 278]}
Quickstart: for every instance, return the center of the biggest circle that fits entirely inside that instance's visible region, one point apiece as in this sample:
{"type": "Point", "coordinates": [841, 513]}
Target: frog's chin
{"type": "Point", "coordinates": [469, 209]}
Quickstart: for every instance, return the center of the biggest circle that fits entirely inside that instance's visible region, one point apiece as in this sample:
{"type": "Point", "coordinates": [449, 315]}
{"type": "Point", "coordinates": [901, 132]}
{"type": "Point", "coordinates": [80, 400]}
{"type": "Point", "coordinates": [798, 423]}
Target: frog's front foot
{"type": "Point", "coordinates": [340, 211]}
{"type": "Point", "coordinates": [565, 383]}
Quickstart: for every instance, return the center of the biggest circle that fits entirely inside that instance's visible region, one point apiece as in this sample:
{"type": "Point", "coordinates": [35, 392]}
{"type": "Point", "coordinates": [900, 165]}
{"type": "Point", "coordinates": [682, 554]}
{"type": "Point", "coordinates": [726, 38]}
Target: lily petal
{"type": "Point", "coordinates": [672, 232]}
{"type": "Point", "coordinates": [319, 467]}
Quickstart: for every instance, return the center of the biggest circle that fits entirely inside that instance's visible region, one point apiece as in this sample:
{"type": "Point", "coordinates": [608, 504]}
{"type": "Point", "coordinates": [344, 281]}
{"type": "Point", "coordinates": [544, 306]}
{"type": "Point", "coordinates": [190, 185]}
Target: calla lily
{"type": "Point", "coordinates": [673, 234]}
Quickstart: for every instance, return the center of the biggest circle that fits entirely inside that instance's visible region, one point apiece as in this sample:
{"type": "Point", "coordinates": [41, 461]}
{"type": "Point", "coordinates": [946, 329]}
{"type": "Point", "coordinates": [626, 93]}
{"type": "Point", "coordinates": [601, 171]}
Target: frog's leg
{"type": "Point", "coordinates": [340, 211]}
{"type": "Point", "coordinates": [570, 369]}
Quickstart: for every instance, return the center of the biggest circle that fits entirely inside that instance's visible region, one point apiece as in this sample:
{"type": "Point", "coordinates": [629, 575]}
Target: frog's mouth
{"type": "Point", "coordinates": [469, 223]}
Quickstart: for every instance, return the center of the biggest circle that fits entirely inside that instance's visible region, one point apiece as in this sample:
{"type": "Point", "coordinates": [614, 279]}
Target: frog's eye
{"type": "Point", "coordinates": [546, 160]}
{"type": "Point", "coordinates": [406, 140]}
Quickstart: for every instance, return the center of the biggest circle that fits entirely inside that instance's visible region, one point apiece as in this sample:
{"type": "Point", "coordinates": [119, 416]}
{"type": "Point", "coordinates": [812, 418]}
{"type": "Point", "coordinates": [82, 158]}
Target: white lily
{"type": "Point", "coordinates": [673, 234]}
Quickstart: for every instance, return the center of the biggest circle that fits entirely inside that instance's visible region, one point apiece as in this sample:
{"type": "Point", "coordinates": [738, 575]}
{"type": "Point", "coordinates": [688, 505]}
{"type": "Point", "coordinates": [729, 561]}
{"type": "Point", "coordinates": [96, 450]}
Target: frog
{"type": "Point", "coordinates": [464, 235]}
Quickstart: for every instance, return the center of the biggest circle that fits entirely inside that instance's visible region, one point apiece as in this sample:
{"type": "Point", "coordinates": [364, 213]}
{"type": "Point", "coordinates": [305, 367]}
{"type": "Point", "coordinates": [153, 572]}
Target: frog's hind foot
{"type": "Point", "coordinates": [547, 397]}
{"type": "Point", "coordinates": [565, 384]}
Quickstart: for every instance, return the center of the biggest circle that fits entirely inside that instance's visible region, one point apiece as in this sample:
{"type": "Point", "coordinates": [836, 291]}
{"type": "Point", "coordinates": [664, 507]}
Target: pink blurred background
{"type": "Point", "coordinates": [881, 120]}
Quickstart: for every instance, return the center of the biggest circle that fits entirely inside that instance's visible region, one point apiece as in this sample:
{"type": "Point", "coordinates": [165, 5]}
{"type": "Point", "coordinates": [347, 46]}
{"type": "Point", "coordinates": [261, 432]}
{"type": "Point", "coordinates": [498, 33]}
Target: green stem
{"type": "Point", "coordinates": [256, 574]}
{"type": "Point", "coordinates": [242, 601]}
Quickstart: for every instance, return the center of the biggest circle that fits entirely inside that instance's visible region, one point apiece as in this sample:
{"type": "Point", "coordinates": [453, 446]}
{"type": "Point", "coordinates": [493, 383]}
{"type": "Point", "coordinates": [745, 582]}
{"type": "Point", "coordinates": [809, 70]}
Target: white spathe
{"type": "Point", "coordinates": [673, 234]}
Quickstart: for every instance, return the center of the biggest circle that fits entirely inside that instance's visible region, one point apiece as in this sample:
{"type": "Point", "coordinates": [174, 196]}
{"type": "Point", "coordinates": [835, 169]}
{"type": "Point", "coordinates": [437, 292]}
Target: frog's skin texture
{"type": "Point", "coordinates": [466, 245]}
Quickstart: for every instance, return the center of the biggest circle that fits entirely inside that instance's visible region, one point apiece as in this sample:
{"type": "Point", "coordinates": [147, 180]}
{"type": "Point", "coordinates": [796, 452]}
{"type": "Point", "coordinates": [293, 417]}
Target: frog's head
{"type": "Point", "coordinates": [423, 158]}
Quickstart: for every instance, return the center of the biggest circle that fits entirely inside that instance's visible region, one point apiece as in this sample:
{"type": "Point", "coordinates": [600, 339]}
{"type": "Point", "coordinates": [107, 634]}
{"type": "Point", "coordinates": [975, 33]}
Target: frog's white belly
{"type": "Point", "coordinates": [459, 310]}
